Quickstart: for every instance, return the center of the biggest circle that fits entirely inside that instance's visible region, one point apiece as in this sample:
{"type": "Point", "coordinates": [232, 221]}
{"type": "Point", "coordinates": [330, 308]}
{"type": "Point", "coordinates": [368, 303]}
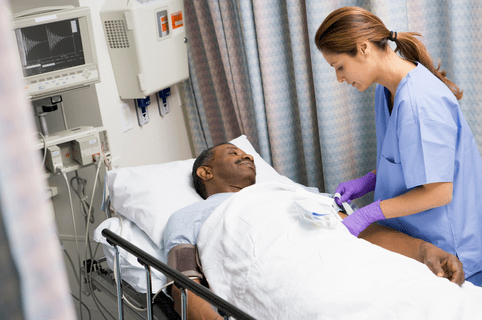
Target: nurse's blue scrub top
{"type": "Point", "coordinates": [425, 140]}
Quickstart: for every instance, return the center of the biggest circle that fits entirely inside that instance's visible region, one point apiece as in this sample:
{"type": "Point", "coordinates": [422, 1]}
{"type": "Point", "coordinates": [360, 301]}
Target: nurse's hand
{"type": "Point", "coordinates": [442, 264]}
{"type": "Point", "coordinates": [357, 188]}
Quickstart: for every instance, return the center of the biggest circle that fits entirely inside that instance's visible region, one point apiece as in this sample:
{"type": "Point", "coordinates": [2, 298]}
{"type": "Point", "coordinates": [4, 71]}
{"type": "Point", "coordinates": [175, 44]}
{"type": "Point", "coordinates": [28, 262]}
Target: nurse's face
{"type": "Point", "coordinates": [356, 71]}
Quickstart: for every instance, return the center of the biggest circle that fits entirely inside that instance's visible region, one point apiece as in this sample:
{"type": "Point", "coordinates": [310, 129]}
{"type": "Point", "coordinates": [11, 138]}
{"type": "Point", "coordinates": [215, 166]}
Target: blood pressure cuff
{"type": "Point", "coordinates": [185, 259]}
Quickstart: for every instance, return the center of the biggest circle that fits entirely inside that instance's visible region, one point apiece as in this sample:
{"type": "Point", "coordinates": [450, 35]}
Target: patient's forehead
{"type": "Point", "coordinates": [225, 148]}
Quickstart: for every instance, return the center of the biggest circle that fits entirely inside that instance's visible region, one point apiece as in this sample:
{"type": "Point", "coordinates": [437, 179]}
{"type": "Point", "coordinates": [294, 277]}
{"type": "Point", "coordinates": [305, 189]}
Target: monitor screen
{"type": "Point", "coordinates": [49, 47]}
{"type": "Point", "coordinates": [56, 51]}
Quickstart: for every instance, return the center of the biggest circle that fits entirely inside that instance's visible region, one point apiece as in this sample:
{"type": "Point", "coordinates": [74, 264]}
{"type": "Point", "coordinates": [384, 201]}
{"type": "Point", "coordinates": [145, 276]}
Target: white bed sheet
{"type": "Point", "coordinates": [131, 270]}
{"type": "Point", "coordinates": [259, 255]}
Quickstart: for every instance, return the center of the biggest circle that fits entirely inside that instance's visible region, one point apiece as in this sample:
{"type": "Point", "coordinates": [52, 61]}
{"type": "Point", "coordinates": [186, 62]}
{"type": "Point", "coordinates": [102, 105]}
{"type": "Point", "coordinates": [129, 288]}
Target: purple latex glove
{"type": "Point", "coordinates": [357, 188]}
{"type": "Point", "coordinates": [362, 218]}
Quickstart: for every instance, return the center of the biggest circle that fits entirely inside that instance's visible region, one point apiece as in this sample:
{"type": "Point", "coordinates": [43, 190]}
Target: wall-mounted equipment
{"type": "Point", "coordinates": [73, 148]}
{"type": "Point", "coordinates": [147, 45]}
{"type": "Point", "coordinates": [57, 50]}
{"type": "Point", "coordinates": [142, 112]}
{"type": "Point", "coordinates": [162, 101]}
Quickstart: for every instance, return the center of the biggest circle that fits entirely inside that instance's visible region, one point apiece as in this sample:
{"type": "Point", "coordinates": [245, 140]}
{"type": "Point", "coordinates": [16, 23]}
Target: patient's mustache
{"type": "Point", "coordinates": [241, 160]}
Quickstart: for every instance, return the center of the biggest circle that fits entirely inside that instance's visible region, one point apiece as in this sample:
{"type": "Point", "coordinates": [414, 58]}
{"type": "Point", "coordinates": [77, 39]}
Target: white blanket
{"type": "Point", "coordinates": [258, 253]}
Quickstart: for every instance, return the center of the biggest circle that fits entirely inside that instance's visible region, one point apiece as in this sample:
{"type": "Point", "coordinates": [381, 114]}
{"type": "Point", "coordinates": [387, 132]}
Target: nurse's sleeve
{"type": "Point", "coordinates": [427, 152]}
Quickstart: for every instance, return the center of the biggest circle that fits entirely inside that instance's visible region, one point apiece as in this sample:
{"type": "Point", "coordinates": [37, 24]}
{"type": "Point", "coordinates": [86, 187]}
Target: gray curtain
{"type": "Point", "coordinates": [31, 261]}
{"type": "Point", "coordinates": [251, 71]}
{"type": "Point", "coordinates": [11, 301]}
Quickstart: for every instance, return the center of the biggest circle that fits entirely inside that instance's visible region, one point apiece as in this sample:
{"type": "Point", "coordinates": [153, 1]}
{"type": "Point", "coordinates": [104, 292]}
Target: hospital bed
{"type": "Point", "coordinates": [140, 304]}
{"type": "Point", "coordinates": [143, 199]}
{"type": "Point", "coordinates": [139, 201]}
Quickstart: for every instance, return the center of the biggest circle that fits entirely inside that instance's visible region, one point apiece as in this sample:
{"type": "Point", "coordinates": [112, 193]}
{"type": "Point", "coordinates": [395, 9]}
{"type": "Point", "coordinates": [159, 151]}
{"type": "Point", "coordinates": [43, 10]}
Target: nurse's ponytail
{"type": "Point", "coordinates": [342, 28]}
{"type": "Point", "coordinates": [413, 49]}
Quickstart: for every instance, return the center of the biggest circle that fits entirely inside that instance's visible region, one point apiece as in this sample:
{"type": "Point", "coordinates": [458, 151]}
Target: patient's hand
{"type": "Point", "coordinates": [442, 263]}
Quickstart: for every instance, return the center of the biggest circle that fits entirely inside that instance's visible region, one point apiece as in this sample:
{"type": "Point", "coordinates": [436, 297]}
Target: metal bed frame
{"type": "Point", "coordinates": [103, 280]}
{"type": "Point", "coordinates": [160, 309]}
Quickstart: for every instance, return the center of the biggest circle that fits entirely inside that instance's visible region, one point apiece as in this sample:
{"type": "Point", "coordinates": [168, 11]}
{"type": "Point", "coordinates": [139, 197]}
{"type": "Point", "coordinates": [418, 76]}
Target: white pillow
{"type": "Point", "coordinates": [148, 195]}
{"type": "Point", "coordinates": [131, 270]}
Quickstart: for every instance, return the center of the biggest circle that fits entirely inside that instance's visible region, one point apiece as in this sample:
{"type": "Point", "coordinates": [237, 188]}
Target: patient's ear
{"type": "Point", "coordinates": [204, 173]}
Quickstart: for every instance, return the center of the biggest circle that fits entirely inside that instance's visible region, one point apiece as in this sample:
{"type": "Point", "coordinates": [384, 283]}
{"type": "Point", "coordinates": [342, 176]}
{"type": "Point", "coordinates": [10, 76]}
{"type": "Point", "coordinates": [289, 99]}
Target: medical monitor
{"type": "Point", "coordinates": [56, 49]}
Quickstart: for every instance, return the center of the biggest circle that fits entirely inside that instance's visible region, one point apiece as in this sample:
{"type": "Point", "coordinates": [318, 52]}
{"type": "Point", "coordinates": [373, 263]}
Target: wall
{"type": "Point", "coordinates": [163, 139]}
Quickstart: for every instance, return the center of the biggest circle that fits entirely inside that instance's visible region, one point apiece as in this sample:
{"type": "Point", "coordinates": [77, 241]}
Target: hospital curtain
{"type": "Point", "coordinates": [310, 127]}
{"type": "Point", "coordinates": [219, 81]}
{"type": "Point", "coordinates": [251, 74]}
{"type": "Point", "coordinates": [11, 301]}
{"type": "Point", "coordinates": [34, 283]}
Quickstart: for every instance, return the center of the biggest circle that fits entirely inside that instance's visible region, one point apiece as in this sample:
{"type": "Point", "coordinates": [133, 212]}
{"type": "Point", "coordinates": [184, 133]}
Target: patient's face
{"type": "Point", "coordinates": [233, 167]}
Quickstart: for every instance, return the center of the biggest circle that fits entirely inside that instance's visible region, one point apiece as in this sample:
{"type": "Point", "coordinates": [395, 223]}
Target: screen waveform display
{"type": "Point", "coordinates": [50, 46]}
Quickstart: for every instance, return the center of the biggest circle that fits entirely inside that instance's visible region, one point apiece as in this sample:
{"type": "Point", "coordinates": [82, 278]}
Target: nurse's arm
{"type": "Point", "coordinates": [442, 264]}
{"type": "Point", "coordinates": [417, 200]}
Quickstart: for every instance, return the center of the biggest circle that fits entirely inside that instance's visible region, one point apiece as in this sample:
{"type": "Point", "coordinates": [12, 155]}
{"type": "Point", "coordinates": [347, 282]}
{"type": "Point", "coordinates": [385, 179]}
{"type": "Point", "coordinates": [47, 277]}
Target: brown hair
{"type": "Point", "coordinates": [205, 158]}
{"type": "Point", "coordinates": [342, 28]}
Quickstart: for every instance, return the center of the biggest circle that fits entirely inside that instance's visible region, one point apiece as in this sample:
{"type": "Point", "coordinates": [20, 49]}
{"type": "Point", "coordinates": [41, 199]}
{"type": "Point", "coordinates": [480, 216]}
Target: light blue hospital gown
{"type": "Point", "coordinates": [425, 140]}
{"type": "Point", "coordinates": [185, 224]}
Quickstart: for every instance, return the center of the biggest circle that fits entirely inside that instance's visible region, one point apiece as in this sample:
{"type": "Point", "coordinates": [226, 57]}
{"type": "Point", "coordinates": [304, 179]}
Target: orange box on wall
{"type": "Point", "coordinates": [176, 20]}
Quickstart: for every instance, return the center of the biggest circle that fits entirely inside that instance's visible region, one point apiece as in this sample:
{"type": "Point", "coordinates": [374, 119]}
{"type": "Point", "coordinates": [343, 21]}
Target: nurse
{"type": "Point", "coordinates": [428, 180]}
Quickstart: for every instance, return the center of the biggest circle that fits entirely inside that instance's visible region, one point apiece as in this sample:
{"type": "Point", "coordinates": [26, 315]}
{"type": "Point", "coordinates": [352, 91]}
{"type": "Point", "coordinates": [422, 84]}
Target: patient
{"type": "Point", "coordinates": [223, 170]}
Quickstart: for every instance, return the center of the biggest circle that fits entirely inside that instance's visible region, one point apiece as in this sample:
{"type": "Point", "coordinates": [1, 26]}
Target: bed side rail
{"type": "Point", "coordinates": [180, 280]}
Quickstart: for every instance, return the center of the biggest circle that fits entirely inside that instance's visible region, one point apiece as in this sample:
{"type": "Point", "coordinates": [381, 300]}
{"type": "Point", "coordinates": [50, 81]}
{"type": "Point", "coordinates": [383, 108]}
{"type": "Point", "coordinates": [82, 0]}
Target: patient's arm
{"type": "Point", "coordinates": [442, 263]}
{"type": "Point", "coordinates": [197, 308]}
{"type": "Point", "coordinates": [184, 258]}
